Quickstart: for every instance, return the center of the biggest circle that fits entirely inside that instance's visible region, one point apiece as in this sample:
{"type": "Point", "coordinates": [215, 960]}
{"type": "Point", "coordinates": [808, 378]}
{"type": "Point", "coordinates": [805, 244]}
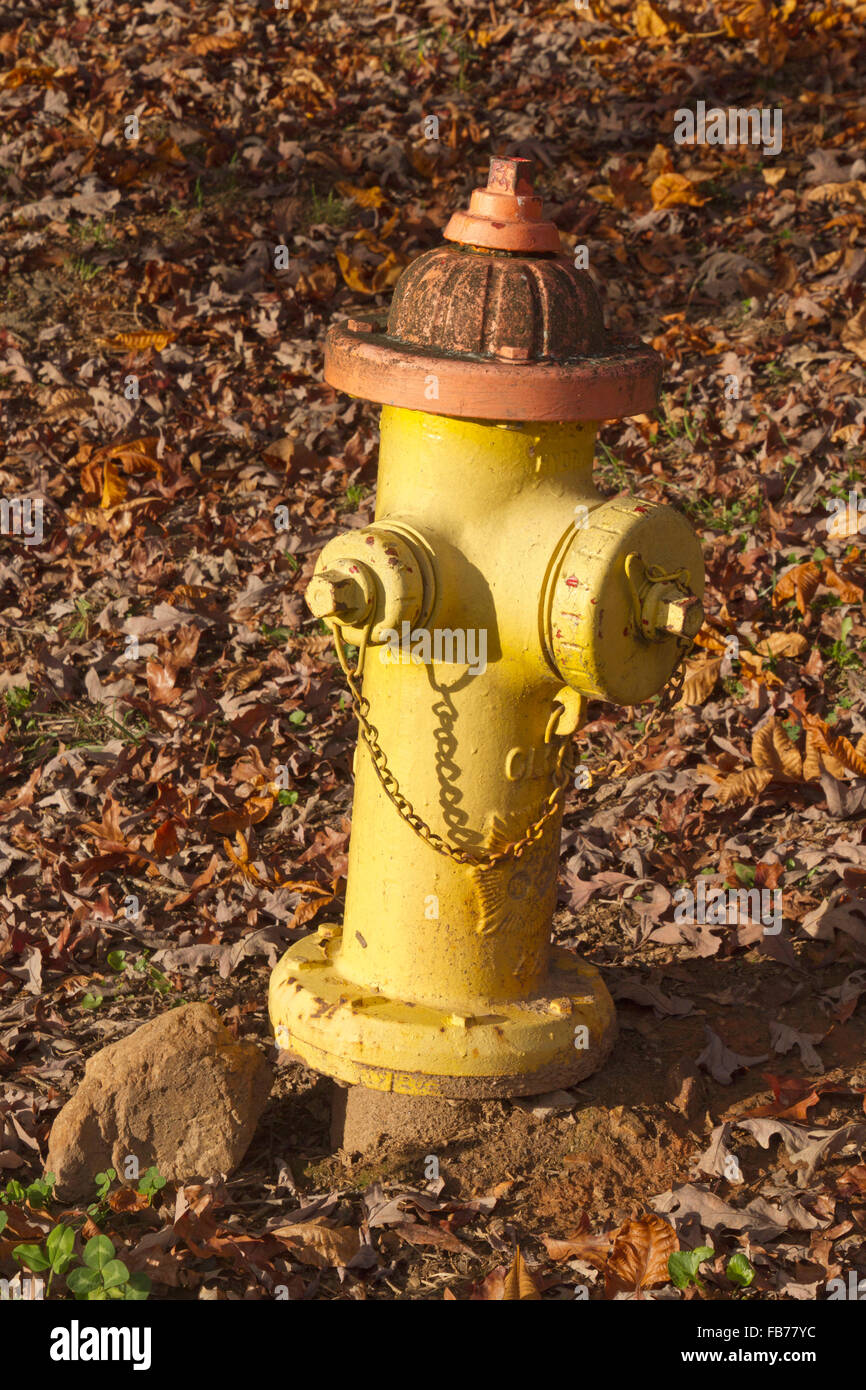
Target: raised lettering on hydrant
{"type": "Point", "coordinates": [494, 593]}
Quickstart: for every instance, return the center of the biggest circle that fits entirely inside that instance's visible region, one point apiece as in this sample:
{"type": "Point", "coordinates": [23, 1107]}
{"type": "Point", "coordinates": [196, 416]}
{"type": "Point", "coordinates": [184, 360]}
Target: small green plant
{"type": "Point", "coordinates": [331, 210]}
{"type": "Point", "coordinates": [91, 232]}
{"type": "Point", "coordinates": [840, 652]}
{"type": "Point", "coordinates": [55, 1254]}
{"type": "Point", "coordinates": [683, 1266]}
{"type": "Point", "coordinates": [151, 1182]}
{"type": "Point", "coordinates": [104, 1181]}
{"type": "Point", "coordinates": [354, 493]}
{"type": "Point", "coordinates": [287, 798]}
{"type": "Point", "coordinates": [37, 1194]}
{"type": "Point", "coordinates": [275, 634]}
{"type": "Point", "coordinates": [155, 978]}
{"type": "Point", "coordinates": [80, 627]}
{"type": "Point", "coordinates": [18, 701]}
{"type": "Point", "coordinates": [739, 1271]}
{"type": "Point", "coordinates": [297, 716]}
{"type": "Point", "coordinates": [102, 1276]}
{"type": "Point", "coordinates": [92, 1001]}
{"type": "Point", "coordinates": [82, 268]}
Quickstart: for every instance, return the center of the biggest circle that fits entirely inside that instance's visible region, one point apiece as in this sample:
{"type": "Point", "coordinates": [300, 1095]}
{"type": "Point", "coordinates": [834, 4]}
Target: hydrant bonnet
{"type": "Point", "coordinates": [496, 325]}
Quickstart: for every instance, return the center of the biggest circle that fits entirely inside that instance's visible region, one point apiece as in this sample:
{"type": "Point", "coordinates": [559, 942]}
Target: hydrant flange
{"type": "Point", "coordinates": [368, 1038]}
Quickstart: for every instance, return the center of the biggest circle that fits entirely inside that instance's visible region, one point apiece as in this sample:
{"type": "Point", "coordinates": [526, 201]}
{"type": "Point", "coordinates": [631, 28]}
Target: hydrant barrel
{"type": "Point", "coordinates": [496, 591]}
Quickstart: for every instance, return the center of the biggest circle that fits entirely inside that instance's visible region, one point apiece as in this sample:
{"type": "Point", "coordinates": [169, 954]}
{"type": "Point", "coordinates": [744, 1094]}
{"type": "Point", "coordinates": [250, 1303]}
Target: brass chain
{"type": "Point", "coordinates": [676, 680]}
{"type": "Point", "coordinates": [405, 808]}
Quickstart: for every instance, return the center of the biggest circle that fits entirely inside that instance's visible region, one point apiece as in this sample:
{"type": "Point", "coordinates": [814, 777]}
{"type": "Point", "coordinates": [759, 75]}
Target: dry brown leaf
{"type": "Point", "coordinates": [241, 858]}
{"type": "Point", "coordinates": [700, 680]}
{"type": "Point", "coordinates": [190, 593]}
{"type": "Point", "coordinates": [96, 516]}
{"type": "Point", "coordinates": [640, 1254]}
{"type": "Point", "coordinates": [800, 583]}
{"type": "Point", "coordinates": [854, 334]}
{"type": "Point", "coordinates": [774, 751]}
{"type": "Point", "coordinates": [650, 23]}
{"type": "Point", "coordinates": [320, 1246]}
{"type": "Point", "coordinates": [848, 592]}
{"type": "Point", "coordinates": [216, 43]}
{"type": "Point", "coordinates": [839, 748]}
{"type": "Point", "coordinates": [113, 486]}
{"type": "Point", "coordinates": [25, 72]}
{"type": "Point", "coordinates": [137, 342]}
{"type": "Point", "coordinates": [161, 683]}
{"type": "Point", "coordinates": [134, 454]}
{"type": "Point", "coordinates": [853, 191]}
{"type": "Point", "coordinates": [669, 190]}
{"type": "Point", "coordinates": [364, 197]}
{"type": "Point", "coordinates": [789, 644]}
{"type": "Point", "coordinates": [68, 400]}
{"type": "Point", "coordinates": [743, 786]}
{"type": "Point", "coordinates": [303, 77]}
{"type": "Point", "coordinates": [519, 1283]}
{"type": "Point", "coordinates": [593, 1247]}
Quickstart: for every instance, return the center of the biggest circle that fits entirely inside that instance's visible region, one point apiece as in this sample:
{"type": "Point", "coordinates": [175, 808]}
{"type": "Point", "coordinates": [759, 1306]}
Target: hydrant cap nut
{"type": "Point", "coordinates": [684, 616]}
{"type": "Point", "coordinates": [336, 594]}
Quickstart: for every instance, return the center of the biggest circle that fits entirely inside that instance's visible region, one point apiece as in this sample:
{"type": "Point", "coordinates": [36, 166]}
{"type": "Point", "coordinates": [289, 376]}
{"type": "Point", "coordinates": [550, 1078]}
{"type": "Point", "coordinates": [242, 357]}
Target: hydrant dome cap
{"type": "Point", "coordinates": [498, 327]}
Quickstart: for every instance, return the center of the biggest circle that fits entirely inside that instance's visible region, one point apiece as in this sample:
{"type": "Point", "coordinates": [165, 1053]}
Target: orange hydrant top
{"type": "Point", "coordinates": [496, 324]}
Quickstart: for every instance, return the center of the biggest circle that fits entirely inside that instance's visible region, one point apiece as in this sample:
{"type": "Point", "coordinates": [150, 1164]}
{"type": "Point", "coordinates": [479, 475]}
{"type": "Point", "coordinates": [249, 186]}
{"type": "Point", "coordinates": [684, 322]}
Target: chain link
{"type": "Point", "coordinates": [404, 807]}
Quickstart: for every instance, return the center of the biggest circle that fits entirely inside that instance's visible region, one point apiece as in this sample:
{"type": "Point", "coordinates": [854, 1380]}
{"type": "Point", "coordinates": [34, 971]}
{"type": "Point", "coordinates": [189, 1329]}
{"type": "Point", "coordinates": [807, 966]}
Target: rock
{"type": "Point", "coordinates": [626, 1124]}
{"type": "Point", "coordinates": [179, 1093]}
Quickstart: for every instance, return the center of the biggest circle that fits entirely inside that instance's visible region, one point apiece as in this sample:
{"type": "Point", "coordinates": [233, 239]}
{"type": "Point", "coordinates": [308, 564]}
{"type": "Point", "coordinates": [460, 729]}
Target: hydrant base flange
{"type": "Point", "coordinates": [362, 1036]}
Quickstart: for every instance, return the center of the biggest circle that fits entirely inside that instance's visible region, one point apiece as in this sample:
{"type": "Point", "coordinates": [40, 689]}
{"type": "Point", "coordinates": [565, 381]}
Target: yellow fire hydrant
{"type": "Point", "coordinates": [495, 592]}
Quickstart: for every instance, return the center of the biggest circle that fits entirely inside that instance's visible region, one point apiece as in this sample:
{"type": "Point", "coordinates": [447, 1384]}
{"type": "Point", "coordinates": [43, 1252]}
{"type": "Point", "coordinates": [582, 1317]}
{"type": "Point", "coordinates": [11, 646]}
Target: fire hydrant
{"type": "Point", "coordinates": [495, 593]}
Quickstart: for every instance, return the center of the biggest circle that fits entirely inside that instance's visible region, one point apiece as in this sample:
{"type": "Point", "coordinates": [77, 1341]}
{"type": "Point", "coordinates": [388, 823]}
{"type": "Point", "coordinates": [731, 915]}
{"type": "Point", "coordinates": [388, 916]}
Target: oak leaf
{"type": "Point", "coordinates": [669, 190]}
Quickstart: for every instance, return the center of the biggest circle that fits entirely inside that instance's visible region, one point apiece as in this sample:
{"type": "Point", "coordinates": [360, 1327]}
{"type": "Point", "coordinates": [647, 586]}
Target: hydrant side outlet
{"type": "Point", "coordinates": [495, 592]}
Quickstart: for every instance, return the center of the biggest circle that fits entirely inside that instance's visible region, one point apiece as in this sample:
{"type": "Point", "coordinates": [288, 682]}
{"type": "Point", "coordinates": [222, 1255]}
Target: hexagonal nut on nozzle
{"type": "Point", "coordinates": [344, 593]}
{"type": "Point", "coordinates": [681, 616]}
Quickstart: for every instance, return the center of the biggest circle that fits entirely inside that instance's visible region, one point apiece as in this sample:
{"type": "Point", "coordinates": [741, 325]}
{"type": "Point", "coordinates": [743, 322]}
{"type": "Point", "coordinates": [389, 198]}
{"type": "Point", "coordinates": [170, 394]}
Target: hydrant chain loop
{"type": "Point", "coordinates": [406, 810]}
